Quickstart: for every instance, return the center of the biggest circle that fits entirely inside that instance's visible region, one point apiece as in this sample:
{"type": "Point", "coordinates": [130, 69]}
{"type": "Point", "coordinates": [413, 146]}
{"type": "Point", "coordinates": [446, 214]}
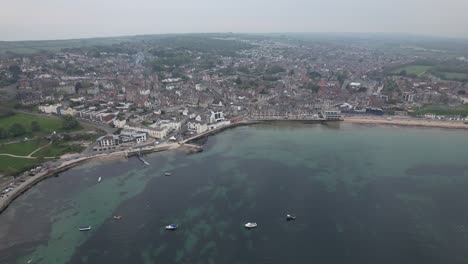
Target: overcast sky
{"type": "Point", "coordinates": [63, 19]}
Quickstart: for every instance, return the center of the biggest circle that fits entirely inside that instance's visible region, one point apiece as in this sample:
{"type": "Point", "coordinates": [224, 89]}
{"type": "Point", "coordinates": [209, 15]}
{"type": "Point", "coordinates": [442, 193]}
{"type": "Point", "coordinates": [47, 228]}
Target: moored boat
{"type": "Point", "coordinates": [290, 217]}
{"type": "Point", "coordinates": [167, 174]}
{"type": "Point", "coordinates": [171, 227]}
{"type": "Point", "coordinates": [85, 228]}
{"type": "Point", "coordinates": [250, 225]}
{"type": "Point", "coordinates": [117, 217]}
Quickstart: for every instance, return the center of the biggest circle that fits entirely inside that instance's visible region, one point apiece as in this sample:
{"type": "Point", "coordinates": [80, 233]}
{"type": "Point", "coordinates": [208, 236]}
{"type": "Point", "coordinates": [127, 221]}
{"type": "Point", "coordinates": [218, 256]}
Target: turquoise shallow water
{"type": "Point", "coordinates": [362, 194]}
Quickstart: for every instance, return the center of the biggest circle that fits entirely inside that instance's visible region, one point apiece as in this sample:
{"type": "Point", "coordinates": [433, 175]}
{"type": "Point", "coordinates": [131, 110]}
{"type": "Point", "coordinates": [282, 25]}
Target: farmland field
{"type": "Point", "coordinates": [418, 70]}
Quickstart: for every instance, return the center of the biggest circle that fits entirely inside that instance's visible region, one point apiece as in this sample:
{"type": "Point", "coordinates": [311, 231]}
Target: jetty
{"type": "Point", "coordinates": [140, 157]}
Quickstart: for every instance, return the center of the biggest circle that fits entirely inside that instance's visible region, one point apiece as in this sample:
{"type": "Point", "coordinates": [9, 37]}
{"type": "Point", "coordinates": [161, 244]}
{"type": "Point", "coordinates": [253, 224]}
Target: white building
{"type": "Point", "coordinates": [216, 117]}
{"type": "Point", "coordinates": [145, 92]}
{"type": "Point", "coordinates": [200, 87]}
{"type": "Point", "coordinates": [50, 109]}
{"type": "Point", "coordinates": [332, 115]}
{"type": "Point", "coordinates": [68, 111]}
{"type": "Point", "coordinates": [172, 125]}
{"type": "Point", "coordinates": [120, 123]}
{"type": "Point", "coordinates": [158, 133]}
{"type": "Point", "coordinates": [129, 135]}
{"type": "Point", "coordinates": [108, 141]}
{"type": "Point", "coordinates": [197, 127]}
{"type": "Point", "coordinates": [78, 100]}
{"type": "Point", "coordinates": [218, 125]}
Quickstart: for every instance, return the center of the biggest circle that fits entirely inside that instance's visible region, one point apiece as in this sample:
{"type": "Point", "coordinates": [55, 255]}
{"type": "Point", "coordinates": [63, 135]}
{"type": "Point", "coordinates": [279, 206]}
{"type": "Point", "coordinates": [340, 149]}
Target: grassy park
{"type": "Point", "coordinates": [28, 138]}
{"type": "Point", "coordinates": [22, 148]}
{"type": "Point", "coordinates": [11, 166]}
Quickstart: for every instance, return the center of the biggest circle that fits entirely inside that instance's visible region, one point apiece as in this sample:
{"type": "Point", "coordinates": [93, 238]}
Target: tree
{"type": "Point", "coordinates": [314, 75]}
{"type": "Point", "coordinates": [15, 70]}
{"type": "Point", "coordinates": [17, 130]}
{"type": "Point", "coordinates": [69, 122]}
{"type": "Point", "coordinates": [3, 133]}
{"type": "Point", "coordinates": [312, 86]}
{"type": "Point", "coordinates": [238, 81]}
{"type": "Point", "coordinates": [341, 77]}
{"type": "Point", "coordinates": [35, 126]}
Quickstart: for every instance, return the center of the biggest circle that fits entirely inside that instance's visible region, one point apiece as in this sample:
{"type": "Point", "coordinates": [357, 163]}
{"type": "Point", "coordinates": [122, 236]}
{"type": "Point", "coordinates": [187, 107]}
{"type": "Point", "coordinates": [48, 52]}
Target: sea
{"type": "Point", "coordinates": [360, 194]}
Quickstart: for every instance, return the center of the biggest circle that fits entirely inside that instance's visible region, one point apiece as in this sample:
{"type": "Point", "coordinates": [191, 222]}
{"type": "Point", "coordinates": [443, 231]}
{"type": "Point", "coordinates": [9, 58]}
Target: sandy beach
{"type": "Point", "coordinates": [406, 121]}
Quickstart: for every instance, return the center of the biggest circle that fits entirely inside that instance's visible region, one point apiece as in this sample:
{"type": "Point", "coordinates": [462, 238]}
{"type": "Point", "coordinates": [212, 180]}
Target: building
{"type": "Point", "coordinates": [158, 133]}
{"type": "Point", "coordinates": [216, 117]}
{"type": "Point", "coordinates": [120, 123]}
{"type": "Point", "coordinates": [332, 115]}
{"type": "Point", "coordinates": [108, 141]}
{"type": "Point", "coordinates": [197, 127]}
{"type": "Point", "coordinates": [171, 125]}
{"type": "Point", "coordinates": [50, 109]}
{"type": "Point", "coordinates": [129, 136]}
{"type": "Point", "coordinates": [68, 111]}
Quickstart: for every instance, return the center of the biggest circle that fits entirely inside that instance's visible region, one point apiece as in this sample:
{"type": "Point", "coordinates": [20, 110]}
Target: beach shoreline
{"type": "Point", "coordinates": [30, 181]}
{"type": "Point", "coordinates": [406, 121]}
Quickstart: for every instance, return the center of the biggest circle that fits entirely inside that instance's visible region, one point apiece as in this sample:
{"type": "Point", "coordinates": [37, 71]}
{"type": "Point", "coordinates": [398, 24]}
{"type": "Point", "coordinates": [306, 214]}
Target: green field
{"type": "Point", "coordinates": [23, 148]}
{"type": "Point", "coordinates": [56, 150]}
{"type": "Point", "coordinates": [418, 70]}
{"type": "Point", "coordinates": [455, 75]}
{"type": "Point", "coordinates": [11, 166]}
{"type": "Point", "coordinates": [443, 110]}
{"type": "Point", "coordinates": [47, 124]}
{"type": "Point", "coordinates": [444, 70]}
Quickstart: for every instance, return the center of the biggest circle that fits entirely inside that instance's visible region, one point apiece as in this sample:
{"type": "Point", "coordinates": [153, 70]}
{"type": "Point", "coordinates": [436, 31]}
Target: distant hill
{"type": "Point", "coordinates": [386, 41]}
{"type": "Point", "coordinates": [44, 46]}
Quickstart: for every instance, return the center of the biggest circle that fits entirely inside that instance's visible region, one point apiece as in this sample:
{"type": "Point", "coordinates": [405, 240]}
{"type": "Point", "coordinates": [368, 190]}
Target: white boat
{"type": "Point", "coordinates": [29, 261]}
{"type": "Point", "coordinates": [290, 217]}
{"type": "Point", "coordinates": [250, 225]}
{"type": "Point", "coordinates": [167, 174]}
{"type": "Point", "coordinates": [171, 227]}
{"type": "Point", "coordinates": [99, 179]}
{"type": "Point", "coordinates": [87, 228]}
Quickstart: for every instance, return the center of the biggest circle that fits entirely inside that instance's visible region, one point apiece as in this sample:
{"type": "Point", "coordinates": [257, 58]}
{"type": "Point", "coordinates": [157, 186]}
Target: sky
{"type": "Point", "coordinates": [65, 19]}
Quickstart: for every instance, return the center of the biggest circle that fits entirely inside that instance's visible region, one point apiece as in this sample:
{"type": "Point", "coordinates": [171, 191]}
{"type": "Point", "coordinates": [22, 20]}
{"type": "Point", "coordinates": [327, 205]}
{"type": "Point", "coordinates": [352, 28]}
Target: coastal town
{"type": "Point", "coordinates": [233, 132]}
{"type": "Point", "coordinates": [154, 94]}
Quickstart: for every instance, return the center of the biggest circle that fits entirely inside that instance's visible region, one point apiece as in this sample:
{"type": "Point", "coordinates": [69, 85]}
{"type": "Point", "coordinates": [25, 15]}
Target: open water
{"type": "Point", "coordinates": [361, 194]}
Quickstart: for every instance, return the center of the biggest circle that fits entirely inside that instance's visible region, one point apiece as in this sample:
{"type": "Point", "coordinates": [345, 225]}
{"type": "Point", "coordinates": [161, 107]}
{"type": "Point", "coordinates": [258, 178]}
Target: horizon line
{"type": "Point", "coordinates": [421, 35]}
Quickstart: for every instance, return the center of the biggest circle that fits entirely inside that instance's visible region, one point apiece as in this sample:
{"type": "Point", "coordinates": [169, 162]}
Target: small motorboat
{"type": "Point", "coordinates": [290, 217]}
{"type": "Point", "coordinates": [85, 228]}
{"type": "Point", "coordinates": [167, 174]}
{"type": "Point", "coordinates": [117, 217]}
{"type": "Point", "coordinates": [250, 225]}
{"type": "Point", "coordinates": [99, 179]}
{"type": "Point", "coordinates": [29, 261]}
{"type": "Point", "coordinates": [171, 227]}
